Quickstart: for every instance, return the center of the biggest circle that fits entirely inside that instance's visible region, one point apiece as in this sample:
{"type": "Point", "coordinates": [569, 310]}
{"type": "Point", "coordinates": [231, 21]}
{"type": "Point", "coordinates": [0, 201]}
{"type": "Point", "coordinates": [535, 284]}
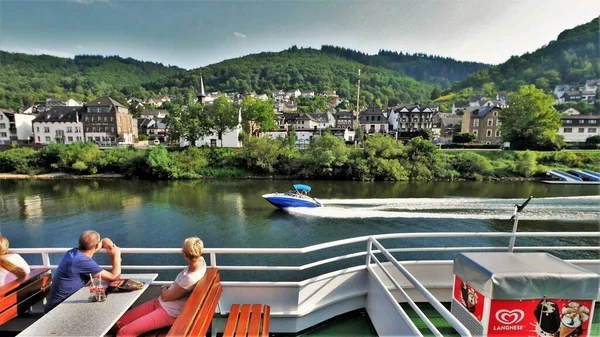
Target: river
{"type": "Point", "coordinates": [52, 213]}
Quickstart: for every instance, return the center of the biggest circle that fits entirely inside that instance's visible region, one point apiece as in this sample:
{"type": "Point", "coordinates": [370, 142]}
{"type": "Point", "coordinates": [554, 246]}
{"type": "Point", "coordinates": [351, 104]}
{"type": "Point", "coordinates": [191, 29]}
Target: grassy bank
{"type": "Point", "coordinates": [327, 157]}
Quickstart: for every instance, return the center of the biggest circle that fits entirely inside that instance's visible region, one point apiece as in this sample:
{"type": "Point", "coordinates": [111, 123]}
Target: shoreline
{"type": "Point", "coordinates": [117, 176]}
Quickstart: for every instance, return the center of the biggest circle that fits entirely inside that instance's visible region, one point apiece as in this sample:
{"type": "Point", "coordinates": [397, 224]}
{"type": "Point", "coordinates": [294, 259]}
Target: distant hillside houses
{"type": "Point", "coordinates": [500, 100]}
{"type": "Point", "coordinates": [564, 93]}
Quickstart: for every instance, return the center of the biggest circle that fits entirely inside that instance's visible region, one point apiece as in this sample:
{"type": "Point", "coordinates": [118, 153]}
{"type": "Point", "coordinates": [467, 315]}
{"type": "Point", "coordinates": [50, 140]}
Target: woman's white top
{"type": "Point", "coordinates": [186, 280]}
{"type": "Point", "coordinates": [5, 275]}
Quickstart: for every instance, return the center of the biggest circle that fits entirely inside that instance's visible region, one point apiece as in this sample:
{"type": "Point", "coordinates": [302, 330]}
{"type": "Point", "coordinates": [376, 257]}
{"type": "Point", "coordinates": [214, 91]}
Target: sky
{"type": "Point", "coordinates": [192, 34]}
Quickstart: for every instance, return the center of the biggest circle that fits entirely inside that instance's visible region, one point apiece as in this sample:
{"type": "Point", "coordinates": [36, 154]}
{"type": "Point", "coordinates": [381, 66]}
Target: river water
{"type": "Point", "coordinates": [233, 214]}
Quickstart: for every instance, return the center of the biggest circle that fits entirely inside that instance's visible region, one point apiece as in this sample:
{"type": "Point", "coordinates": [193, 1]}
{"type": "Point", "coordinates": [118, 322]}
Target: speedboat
{"type": "Point", "coordinates": [297, 197]}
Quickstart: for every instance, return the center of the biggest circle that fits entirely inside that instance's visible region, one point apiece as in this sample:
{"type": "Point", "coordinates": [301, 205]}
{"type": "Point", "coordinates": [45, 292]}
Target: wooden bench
{"type": "Point", "coordinates": [16, 297]}
{"type": "Point", "coordinates": [250, 320]}
{"type": "Point", "coordinates": [197, 313]}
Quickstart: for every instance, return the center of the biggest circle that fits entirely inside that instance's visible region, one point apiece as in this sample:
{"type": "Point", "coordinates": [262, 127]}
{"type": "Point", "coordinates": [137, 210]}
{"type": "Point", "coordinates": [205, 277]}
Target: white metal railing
{"type": "Point", "coordinates": [439, 307]}
{"type": "Point", "coordinates": [214, 252]}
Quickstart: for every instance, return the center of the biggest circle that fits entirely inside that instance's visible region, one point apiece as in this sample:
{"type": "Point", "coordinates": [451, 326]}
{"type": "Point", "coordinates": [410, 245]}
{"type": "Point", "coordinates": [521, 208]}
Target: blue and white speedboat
{"type": "Point", "coordinates": [298, 197]}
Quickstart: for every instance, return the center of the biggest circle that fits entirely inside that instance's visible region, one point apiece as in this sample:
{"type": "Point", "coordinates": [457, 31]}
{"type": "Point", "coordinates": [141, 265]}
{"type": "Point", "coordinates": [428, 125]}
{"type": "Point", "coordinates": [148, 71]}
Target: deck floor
{"type": "Point", "coordinates": [358, 323]}
{"type": "Point", "coordinates": [447, 330]}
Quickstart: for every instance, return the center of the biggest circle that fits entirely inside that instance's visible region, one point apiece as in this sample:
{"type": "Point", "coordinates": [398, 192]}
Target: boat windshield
{"type": "Point", "coordinates": [296, 193]}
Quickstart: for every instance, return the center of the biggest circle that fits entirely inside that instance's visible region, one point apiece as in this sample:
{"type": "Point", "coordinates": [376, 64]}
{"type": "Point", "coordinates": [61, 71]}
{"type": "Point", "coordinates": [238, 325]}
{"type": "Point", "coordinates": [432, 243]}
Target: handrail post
{"type": "Point", "coordinates": [46, 260]}
{"type": "Point", "coordinates": [369, 248]}
{"type": "Point", "coordinates": [213, 260]}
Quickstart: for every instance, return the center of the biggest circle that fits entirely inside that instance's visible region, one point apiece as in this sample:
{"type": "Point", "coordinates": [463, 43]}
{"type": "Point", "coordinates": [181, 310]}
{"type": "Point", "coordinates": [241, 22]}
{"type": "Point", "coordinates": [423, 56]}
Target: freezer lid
{"type": "Point", "coordinates": [516, 276]}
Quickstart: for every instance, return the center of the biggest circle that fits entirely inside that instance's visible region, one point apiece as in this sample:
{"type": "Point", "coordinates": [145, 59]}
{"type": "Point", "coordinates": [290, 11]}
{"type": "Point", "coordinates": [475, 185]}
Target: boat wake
{"type": "Point", "coordinates": [580, 208]}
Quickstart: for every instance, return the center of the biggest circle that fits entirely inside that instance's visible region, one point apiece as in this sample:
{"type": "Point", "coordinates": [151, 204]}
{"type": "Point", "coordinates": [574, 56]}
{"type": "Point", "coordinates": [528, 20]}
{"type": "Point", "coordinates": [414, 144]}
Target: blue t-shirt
{"type": "Point", "coordinates": [72, 274]}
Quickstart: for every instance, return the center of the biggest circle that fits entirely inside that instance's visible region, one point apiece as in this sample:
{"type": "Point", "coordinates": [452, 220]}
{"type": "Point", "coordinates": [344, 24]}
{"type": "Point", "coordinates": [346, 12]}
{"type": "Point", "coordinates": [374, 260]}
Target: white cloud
{"type": "Point", "coordinates": [79, 46]}
{"type": "Point", "coordinates": [87, 2]}
{"type": "Point", "coordinates": [239, 35]}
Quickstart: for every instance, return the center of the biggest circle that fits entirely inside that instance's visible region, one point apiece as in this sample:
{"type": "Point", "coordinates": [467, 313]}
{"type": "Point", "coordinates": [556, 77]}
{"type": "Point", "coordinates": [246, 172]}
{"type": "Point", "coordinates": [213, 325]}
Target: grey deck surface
{"type": "Point", "coordinates": [76, 316]}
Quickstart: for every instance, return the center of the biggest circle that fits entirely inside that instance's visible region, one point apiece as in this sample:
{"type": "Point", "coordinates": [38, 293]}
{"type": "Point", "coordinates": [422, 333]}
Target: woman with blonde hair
{"type": "Point", "coordinates": [12, 266]}
{"type": "Point", "coordinates": [163, 310]}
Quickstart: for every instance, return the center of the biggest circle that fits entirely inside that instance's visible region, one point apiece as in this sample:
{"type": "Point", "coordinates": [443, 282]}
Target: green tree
{"type": "Point", "coordinates": [530, 122]}
{"type": "Point", "coordinates": [290, 138]}
{"type": "Point", "coordinates": [435, 93]}
{"type": "Point", "coordinates": [462, 138]}
{"type": "Point", "coordinates": [188, 122]}
{"type": "Point", "coordinates": [257, 115]}
{"type": "Point", "coordinates": [223, 116]}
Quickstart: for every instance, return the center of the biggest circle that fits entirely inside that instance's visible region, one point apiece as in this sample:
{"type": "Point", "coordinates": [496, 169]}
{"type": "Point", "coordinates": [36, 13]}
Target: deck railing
{"type": "Point", "coordinates": [373, 248]}
{"type": "Point", "coordinates": [439, 307]}
{"type": "Point", "coordinates": [213, 253]}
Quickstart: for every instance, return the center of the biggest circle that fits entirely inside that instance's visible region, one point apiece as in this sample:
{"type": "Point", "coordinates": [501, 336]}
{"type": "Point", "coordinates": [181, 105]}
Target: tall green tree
{"type": "Point", "coordinates": [530, 122]}
{"type": "Point", "coordinates": [188, 122]}
{"type": "Point", "coordinates": [223, 116]}
{"type": "Point", "coordinates": [257, 115]}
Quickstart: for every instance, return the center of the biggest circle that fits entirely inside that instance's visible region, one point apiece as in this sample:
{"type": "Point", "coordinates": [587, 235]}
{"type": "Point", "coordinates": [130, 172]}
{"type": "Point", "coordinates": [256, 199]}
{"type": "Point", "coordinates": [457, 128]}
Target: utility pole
{"type": "Point", "coordinates": [357, 107]}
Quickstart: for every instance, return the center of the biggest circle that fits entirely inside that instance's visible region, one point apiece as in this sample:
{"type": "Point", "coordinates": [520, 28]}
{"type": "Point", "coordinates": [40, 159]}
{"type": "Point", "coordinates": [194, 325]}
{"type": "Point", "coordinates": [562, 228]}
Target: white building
{"type": "Point", "coordinates": [231, 138]}
{"type": "Point", "coordinates": [577, 128]}
{"type": "Point", "coordinates": [61, 124]}
{"type": "Point", "coordinates": [592, 85]}
{"type": "Point", "coordinates": [52, 102]}
{"type": "Point", "coordinates": [15, 128]}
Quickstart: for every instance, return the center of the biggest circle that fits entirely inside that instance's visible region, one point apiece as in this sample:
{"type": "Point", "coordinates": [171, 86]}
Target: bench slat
{"type": "Point", "coordinates": [204, 319]}
{"type": "Point", "coordinates": [255, 320]}
{"type": "Point", "coordinates": [265, 321]}
{"type": "Point", "coordinates": [242, 326]}
{"type": "Point", "coordinates": [232, 320]}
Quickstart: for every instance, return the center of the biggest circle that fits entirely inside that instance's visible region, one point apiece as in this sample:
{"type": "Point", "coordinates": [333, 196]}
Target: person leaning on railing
{"type": "Point", "coordinates": [163, 310]}
{"type": "Point", "coordinates": [12, 266]}
{"type": "Point", "coordinates": [76, 267]}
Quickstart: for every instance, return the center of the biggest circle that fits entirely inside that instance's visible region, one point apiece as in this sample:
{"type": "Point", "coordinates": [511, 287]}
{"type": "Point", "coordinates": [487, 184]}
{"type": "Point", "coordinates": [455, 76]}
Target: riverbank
{"type": "Point", "coordinates": [116, 176]}
{"type": "Point", "coordinates": [326, 158]}
{"type": "Point", "coordinates": [60, 175]}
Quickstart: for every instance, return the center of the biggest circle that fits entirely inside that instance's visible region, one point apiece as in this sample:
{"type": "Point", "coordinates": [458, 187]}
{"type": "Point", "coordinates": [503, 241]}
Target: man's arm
{"type": "Point", "coordinates": [115, 255]}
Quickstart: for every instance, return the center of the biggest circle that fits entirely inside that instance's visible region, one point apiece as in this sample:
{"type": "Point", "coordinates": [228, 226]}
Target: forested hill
{"type": "Point", "coordinates": [443, 71]}
{"type": "Point", "coordinates": [572, 59]}
{"type": "Point", "coordinates": [304, 69]}
{"type": "Point", "coordinates": [28, 78]}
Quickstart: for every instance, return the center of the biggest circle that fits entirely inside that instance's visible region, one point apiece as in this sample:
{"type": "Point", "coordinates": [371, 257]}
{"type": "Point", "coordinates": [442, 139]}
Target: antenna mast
{"type": "Point", "coordinates": [357, 101]}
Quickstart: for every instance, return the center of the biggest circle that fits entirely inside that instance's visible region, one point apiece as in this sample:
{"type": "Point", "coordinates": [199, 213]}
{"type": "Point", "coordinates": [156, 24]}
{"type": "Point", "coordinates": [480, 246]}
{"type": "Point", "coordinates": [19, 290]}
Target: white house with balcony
{"type": "Point", "coordinates": [15, 128]}
{"type": "Point", "coordinates": [61, 124]}
{"type": "Point", "coordinates": [577, 128]}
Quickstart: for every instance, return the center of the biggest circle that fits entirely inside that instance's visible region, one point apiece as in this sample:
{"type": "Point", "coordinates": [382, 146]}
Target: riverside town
{"type": "Point", "coordinates": [299, 168]}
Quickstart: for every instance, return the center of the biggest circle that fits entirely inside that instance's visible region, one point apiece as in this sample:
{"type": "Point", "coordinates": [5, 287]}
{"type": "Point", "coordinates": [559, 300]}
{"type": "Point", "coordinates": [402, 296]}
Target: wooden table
{"type": "Point", "coordinates": [76, 316]}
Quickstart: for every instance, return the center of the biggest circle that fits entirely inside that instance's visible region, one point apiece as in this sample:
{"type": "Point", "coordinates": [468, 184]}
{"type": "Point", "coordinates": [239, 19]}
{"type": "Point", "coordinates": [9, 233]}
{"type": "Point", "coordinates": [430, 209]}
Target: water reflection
{"type": "Point", "coordinates": [32, 210]}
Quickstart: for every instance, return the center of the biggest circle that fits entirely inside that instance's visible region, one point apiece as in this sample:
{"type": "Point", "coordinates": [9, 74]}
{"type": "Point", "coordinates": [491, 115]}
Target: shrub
{"type": "Point", "coordinates": [188, 163]}
{"type": "Point", "coordinates": [159, 162]}
{"type": "Point", "coordinates": [526, 164]}
{"type": "Point", "coordinates": [326, 156]}
{"type": "Point", "coordinates": [79, 158]}
{"type": "Point", "coordinates": [472, 165]}
{"type": "Point", "coordinates": [19, 160]}
{"type": "Point", "coordinates": [261, 154]}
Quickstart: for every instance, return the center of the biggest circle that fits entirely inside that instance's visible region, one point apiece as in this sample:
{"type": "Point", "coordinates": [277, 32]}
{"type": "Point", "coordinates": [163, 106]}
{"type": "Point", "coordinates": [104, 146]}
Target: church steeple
{"type": "Point", "coordinates": [200, 94]}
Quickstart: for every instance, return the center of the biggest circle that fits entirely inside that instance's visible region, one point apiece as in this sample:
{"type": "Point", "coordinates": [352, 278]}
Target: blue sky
{"type": "Point", "coordinates": [191, 34]}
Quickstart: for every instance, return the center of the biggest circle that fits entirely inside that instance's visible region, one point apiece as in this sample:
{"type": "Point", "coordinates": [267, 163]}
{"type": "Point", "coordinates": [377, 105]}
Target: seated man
{"type": "Point", "coordinates": [77, 265]}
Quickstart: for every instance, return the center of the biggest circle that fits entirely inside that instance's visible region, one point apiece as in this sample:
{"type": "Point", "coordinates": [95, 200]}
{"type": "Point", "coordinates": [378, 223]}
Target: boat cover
{"type": "Point", "coordinates": [301, 187]}
{"type": "Point", "coordinates": [517, 276]}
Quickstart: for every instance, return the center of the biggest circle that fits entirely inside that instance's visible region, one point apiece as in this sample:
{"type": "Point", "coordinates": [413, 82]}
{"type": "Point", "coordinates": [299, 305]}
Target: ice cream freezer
{"type": "Point", "coordinates": [523, 294]}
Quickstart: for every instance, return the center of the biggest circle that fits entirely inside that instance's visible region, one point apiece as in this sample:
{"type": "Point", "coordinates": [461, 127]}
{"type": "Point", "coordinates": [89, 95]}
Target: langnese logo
{"type": "Point", "coordinates": [510, 316]}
